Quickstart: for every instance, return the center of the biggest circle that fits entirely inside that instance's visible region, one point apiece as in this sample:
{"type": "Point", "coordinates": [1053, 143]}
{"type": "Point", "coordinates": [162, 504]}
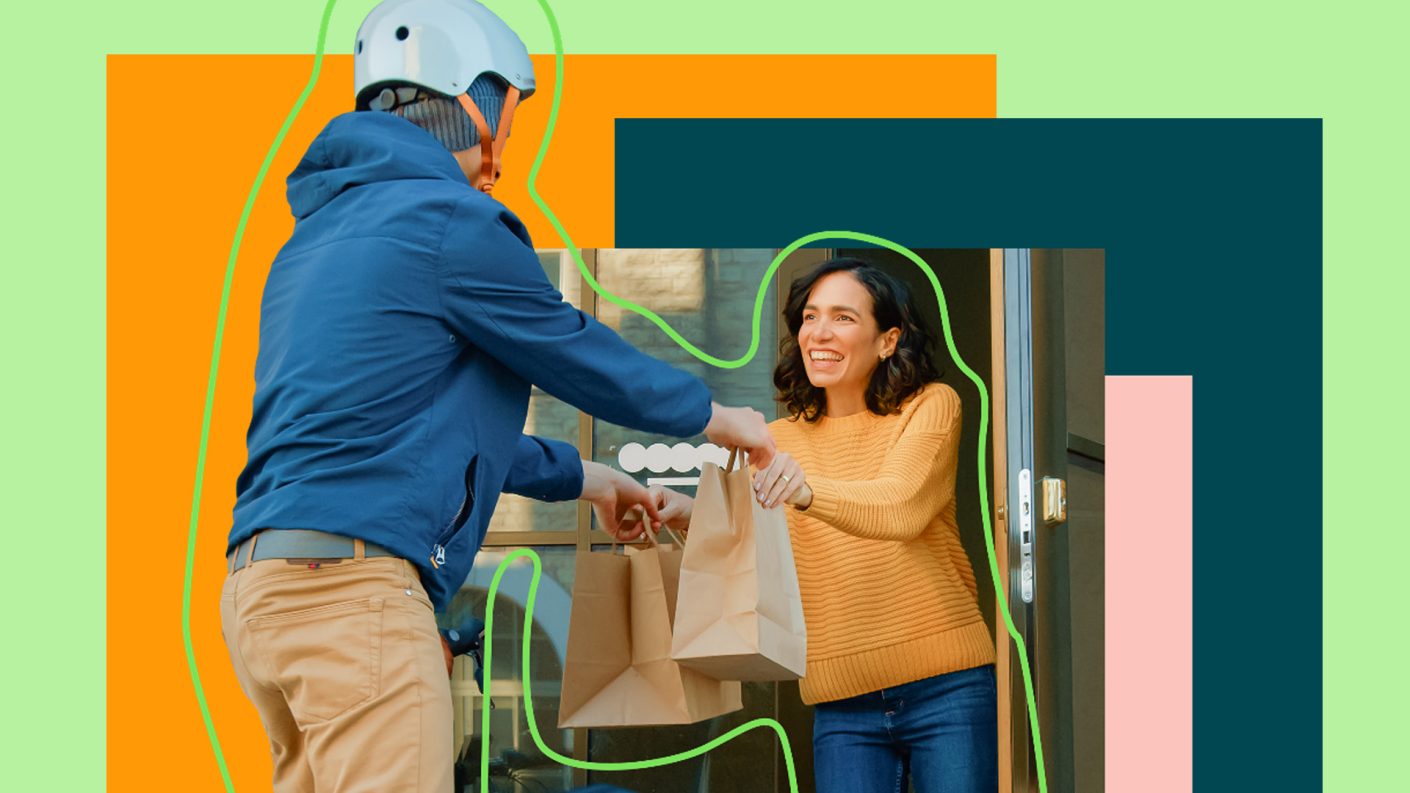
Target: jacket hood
{"type": "Point", "coordinates": [363, 148]}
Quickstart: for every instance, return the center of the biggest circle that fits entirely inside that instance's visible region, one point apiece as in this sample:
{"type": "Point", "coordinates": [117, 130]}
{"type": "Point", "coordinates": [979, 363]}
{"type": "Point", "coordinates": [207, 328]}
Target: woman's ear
{"type": "Point", "coordinates": [888, 342]}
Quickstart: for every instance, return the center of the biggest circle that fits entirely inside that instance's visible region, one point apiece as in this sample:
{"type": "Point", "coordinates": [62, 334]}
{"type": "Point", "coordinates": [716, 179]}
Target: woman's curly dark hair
{"type": "Point", "coordinates": [894, 381]}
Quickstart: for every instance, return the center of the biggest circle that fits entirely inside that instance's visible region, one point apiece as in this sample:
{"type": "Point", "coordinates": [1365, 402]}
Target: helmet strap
{"type": "Point", "coordinates": [506, 119]}
{"type": "Point", "coordinates": [487, 158]}
{"type": "Point", "coordinates": [491, 147]}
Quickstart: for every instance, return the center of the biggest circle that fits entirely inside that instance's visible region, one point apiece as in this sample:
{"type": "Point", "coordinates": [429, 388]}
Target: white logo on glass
{"type": "Point", "coordinates": [658, 458]}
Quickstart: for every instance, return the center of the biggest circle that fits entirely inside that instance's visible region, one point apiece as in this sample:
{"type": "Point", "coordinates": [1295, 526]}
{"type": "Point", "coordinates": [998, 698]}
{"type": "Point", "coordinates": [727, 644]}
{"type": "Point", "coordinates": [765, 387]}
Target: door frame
{"type": "Point", "coordinates": [999, 493]}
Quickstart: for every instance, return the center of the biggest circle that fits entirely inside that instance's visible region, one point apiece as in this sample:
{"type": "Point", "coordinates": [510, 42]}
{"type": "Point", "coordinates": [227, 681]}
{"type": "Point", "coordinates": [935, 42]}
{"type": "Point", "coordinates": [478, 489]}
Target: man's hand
{"type": "Point", "coordinates": [674, 510]}
{"type": "Point", "coordinates": [613, 494]}
{"type": "Point", "coordinates": [743, 428]}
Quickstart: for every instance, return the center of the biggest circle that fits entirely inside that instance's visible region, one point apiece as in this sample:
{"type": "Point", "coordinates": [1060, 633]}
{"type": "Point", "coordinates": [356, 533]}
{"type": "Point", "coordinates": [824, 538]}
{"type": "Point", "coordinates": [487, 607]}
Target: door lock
{"type": "Point", "coordinates": [1054, 500]}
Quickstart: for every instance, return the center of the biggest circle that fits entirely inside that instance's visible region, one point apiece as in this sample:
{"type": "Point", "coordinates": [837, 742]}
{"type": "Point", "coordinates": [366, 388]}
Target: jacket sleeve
{"type": "Point", "coordinates": [545, 469]}
{"type": "Point", "coordinates": [916, 480]}
{"type": "Point", "coordinates": [494, 292]}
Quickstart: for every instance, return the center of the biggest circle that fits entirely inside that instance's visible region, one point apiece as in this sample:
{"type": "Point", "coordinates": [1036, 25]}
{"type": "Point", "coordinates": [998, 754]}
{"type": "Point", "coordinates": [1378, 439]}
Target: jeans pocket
{"type": "Point", "coordinates": [326, 660]}
{"type": "Point", "coordinates": [227, 609]}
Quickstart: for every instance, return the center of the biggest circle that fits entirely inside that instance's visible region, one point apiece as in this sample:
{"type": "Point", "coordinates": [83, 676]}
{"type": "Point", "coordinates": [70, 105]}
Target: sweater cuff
{"type": "Point", "coordinates": [827, 504]}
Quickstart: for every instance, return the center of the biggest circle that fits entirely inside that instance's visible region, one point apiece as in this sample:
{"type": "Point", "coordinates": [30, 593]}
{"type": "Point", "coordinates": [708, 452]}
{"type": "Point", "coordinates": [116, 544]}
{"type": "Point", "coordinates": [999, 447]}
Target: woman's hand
{"type": "Point", "coordinates": [782, 482]}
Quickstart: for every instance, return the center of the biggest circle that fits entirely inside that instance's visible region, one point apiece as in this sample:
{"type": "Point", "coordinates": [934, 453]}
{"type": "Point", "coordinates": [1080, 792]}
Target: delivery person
{"type": "Point", "coordinates": [401, 328]}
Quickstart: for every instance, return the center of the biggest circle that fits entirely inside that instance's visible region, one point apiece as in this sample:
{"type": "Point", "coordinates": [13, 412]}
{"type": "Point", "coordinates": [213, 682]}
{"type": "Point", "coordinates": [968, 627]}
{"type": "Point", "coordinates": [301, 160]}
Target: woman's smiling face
{"type": "Point", "coordinates": [839, 338]}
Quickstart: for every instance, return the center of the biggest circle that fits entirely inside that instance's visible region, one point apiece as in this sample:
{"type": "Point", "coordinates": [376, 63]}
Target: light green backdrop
{"type": "Point", "coordinates": [1083, 58]}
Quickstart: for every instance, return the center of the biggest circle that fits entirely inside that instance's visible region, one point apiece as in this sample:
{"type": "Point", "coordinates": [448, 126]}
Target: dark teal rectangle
{"type": "Point", "coordinates": [1213, 238]}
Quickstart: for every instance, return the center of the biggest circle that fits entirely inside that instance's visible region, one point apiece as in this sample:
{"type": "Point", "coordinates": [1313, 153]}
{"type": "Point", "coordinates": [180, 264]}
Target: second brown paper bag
{"type": "Point", "coordinates": [738, 613]}
{"type": "Point", "coordinates": [618, 671]}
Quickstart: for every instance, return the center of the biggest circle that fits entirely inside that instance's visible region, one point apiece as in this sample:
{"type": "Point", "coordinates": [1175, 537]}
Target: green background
{"type": "Point", "coordinates": [1074, 59]}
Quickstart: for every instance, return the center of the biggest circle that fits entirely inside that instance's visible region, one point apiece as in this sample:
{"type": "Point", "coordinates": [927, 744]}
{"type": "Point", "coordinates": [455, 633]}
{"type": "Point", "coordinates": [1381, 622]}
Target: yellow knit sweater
{"type": "Point", "coordinates": [888, 594]}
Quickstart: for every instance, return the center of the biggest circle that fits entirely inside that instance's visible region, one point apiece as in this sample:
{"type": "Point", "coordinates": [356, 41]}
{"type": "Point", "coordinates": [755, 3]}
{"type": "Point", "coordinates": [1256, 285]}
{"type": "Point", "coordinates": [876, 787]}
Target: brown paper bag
{"type": "Point", "coordinates": [739, 615]}
{"type": "Point", "coordinates": [618, 671]}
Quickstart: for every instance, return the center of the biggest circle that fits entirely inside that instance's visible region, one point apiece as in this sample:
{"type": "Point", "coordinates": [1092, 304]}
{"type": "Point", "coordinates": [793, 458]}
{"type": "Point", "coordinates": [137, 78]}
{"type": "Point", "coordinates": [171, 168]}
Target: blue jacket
{"type": "Point", "coordinates": [400, 330]}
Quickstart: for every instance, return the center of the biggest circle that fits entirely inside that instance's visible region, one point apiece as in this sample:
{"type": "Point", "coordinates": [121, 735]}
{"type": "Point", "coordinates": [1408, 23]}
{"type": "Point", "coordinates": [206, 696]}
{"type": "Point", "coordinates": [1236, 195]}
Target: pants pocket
{"type": "Point", "coordinates": [326, 660]}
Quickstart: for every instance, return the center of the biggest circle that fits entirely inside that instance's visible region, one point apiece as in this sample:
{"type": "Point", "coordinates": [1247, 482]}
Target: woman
{"type": "Point", "coordinates": [900, 659]}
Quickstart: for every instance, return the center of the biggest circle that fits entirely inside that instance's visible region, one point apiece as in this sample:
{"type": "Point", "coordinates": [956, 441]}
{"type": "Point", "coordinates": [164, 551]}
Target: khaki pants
{"type": "Point", "coordinates": [344, 664]}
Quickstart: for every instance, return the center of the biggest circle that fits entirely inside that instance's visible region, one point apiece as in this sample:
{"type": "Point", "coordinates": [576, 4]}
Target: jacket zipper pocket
{"type": "Point", "coordinates": [462, 514]}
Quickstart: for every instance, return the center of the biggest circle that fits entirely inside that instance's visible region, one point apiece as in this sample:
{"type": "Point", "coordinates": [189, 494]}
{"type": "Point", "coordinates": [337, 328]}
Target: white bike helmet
{"type": "Point", "coordinates": [443, 46]}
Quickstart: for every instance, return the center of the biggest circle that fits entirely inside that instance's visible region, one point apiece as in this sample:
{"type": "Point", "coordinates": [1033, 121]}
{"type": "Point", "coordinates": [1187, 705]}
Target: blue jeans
{"type": "Point", "coordinates": [940, 732]}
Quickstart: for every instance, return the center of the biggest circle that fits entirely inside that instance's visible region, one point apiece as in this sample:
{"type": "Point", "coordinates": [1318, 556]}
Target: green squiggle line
{"type": "Point", "coordinates": [210, 394]}
{"type": "Point", "coordinates": [626, 765]}
{"type": "Point", "coordinates": [577, 255]}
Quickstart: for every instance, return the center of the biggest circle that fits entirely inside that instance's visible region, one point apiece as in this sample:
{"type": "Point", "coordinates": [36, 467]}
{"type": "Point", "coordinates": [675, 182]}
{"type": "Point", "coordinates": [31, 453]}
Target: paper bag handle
{"type": "Point", "coordinates": [655, 543]}
{"type": "Point", "coordinates": [733, 452]}
{"type": "Point", "coordinates": [679, 541]}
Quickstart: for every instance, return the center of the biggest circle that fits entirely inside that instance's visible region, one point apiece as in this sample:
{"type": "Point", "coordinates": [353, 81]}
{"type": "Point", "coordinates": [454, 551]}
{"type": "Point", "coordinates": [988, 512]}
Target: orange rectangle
{"type": "Point", "coordinates": [186, 136]}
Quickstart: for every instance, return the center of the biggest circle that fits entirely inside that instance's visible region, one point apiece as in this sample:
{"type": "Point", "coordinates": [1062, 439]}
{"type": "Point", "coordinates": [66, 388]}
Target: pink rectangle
{"type": "Point", "coordinates": [1149, 584]}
